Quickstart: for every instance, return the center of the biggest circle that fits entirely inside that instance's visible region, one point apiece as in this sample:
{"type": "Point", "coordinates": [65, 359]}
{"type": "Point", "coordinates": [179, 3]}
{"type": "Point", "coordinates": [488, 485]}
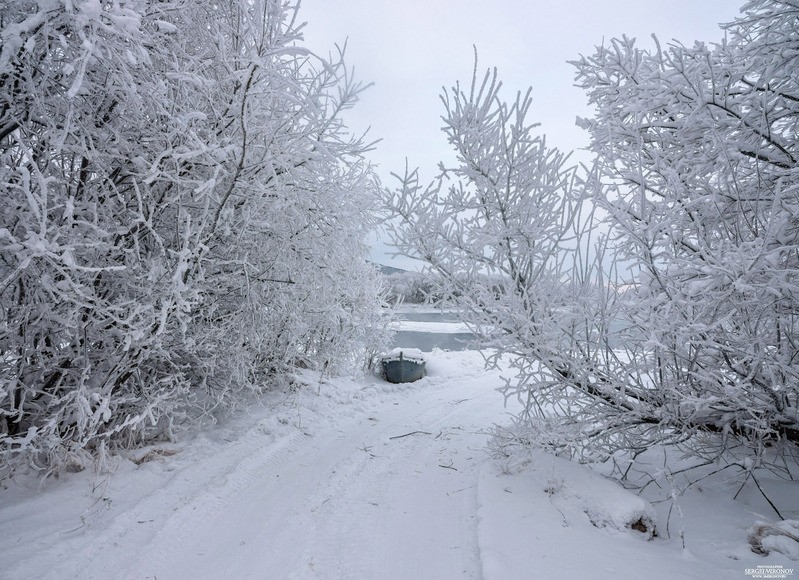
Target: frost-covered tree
{"type": "Point", "coordinates": [496, 227]}
{"type": "Point", "coordinates": [697, 148]}
{"type": "Point", "coordinates": [183, 217]}
{"type": "Point", "coordinates": [679, 326]}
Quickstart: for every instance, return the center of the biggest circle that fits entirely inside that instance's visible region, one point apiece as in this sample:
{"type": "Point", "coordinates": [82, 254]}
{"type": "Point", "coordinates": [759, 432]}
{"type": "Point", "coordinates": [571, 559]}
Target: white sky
{"type": "Point", "coordinates": [409, 49]}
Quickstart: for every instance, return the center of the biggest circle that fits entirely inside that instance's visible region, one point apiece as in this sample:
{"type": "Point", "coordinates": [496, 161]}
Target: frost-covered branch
{"type": "Point", "coordinates": [183, 216]}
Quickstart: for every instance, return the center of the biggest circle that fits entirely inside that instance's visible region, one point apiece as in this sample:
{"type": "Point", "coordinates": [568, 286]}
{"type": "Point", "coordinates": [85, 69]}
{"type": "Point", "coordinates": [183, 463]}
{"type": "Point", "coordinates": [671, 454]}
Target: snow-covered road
{"type": "Point", "coordinates": [388, 495]}
{"type": "Point", "coordinates": [359, 479]}
{"type": "Point", "coordinates": [380, 482]}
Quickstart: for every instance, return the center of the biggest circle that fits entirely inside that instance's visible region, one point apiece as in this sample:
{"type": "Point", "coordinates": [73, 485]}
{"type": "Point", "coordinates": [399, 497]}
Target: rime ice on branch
{"type": "Point", "coordinates": [183, 216]}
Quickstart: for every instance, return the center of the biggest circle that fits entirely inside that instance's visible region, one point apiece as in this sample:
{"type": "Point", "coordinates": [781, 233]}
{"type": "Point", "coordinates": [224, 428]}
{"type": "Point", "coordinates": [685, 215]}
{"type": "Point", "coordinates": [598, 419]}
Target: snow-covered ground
{"type": "Point", "coordinates": [359, 479]}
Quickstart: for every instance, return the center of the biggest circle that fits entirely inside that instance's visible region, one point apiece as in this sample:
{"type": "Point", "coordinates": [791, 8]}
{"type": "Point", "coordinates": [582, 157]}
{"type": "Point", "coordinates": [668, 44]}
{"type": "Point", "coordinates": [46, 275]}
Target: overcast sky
{"type": "Point", "coordinates": [409, 49]}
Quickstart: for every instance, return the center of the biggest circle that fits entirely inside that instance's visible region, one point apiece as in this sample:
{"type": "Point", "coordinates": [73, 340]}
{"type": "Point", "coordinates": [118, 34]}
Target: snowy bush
{"type": "Point", "coordinates": [411, 288]}
{"type": "Point", "coordinates": [697, 152]}
{"type": "Point", "coordinates": [183, 216]}
{"type": "Point", "coordinates": [677, 325]}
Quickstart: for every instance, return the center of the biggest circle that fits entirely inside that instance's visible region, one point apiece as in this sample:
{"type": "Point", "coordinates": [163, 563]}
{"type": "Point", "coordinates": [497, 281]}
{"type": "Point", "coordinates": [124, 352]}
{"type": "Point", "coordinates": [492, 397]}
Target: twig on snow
{"type": "Point", "coordinates": [411, 433]}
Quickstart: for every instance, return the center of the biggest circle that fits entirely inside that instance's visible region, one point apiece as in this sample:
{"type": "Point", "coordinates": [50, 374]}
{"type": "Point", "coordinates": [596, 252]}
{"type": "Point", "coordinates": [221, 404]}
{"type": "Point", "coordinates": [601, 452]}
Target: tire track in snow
{"type": "Point", "coordinates": [357, 504]}
{"type": "Point", "coordinates": [195, 497]}
{"type": "Point", "coordinates": [348, 502]}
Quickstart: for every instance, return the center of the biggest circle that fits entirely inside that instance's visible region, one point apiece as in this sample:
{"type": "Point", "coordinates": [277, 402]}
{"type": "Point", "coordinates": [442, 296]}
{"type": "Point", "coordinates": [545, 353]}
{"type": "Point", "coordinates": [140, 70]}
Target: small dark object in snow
{"type": "Point", "coordinates": [403, 365]}
{"type": "Point", "coordinates": [641, 526]}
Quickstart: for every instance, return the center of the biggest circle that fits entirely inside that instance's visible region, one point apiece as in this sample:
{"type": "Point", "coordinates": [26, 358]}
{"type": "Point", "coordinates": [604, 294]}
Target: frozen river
{"type": "Point", "coordinates": [427, 329]}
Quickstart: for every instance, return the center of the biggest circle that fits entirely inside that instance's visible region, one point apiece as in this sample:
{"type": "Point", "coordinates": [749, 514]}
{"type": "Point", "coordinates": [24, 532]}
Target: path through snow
{"type": "Point", "coordinates": [388, 495]}
{"type": "Point", "coordinates": [383, 487]}
{"type": "Point", "coordinates": [363, 480]}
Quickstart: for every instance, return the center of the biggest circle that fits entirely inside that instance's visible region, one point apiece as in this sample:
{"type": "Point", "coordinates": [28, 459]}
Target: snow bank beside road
{"type": "Point", "coordinates": [558, 519]}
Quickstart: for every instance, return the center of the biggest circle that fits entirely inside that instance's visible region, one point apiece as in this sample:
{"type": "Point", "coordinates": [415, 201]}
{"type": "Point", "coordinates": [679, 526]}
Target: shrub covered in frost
{"type": "Point", "coordinates": [182, 216]}
{"type": "Point", "coordinates": [679, 324]}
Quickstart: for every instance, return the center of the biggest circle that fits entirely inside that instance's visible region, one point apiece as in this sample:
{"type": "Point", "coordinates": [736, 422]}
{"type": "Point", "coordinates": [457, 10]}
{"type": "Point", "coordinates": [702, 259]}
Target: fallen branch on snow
{"type": "Point", "coordinates": [411, 433]}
